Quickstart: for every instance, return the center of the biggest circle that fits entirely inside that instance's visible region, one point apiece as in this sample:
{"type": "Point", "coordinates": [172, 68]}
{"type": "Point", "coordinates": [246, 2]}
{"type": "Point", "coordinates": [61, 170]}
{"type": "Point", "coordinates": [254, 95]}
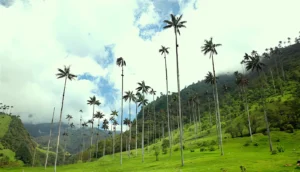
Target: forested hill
{"type": "Point", "coordinates": [280, 77]}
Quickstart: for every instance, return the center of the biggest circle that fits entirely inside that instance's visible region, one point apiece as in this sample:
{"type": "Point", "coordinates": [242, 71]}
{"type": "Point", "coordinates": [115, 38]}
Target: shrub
{"type": "Point", "coordinates": [280, 149]}
{"type": "Point", "coordinates": [212, 148]}
{"type": "Point", "coordinates": [213, 142]}
{"type": "Point", "coordinates": [255, 144]}
{"type": "Point", "coordinates": [156, 152]}
{"type": "Point", "coordinates": [277, 140]}
{"type": "Point", "coordinates": [1, 154]}
{"type": "Point", "coordinates": [208, 131]}
{"type": "Point", "coordinates": [192, 150]}
{"type": "Point", "coordinates": [274, 152]}
{"type": "Point", "coordinates": [202, 149]}
{"type": "Point", "coordinates": [205, 143]}
{"type": "Point", "coordinates": [165, 145]}
{"type": "Point", "coordinates": [247, 143]}
{"type": "Point", "coordinates": [289, 128]}
{"type": "Point", "coordinates": [176, 148]}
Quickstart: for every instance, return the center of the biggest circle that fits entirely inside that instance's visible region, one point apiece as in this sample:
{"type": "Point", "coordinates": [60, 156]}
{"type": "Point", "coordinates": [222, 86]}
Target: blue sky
{"type": "Point", "coordinates": [90, 36]}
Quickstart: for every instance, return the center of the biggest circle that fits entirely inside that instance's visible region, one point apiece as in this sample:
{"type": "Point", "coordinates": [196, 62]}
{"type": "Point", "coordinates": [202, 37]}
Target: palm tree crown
{"type": "Point", "coordinates": [65, 73]}
{"type": "Point", "coordinates": [210, 47]}
{"type": "Point", "coordinates": [175, 23]}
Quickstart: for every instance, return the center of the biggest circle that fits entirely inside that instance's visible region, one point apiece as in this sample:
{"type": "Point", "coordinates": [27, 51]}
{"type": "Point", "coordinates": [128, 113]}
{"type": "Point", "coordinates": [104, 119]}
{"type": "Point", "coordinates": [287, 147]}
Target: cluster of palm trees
{"type": "Point", "coordinates": [252, 63]}
{"type": "Point", "coordinates": [6, 109]}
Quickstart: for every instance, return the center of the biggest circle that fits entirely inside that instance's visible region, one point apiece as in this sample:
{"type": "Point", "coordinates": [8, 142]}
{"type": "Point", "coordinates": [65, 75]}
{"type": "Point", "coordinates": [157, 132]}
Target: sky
{"type": "Point", "coordinates": [39, 36]}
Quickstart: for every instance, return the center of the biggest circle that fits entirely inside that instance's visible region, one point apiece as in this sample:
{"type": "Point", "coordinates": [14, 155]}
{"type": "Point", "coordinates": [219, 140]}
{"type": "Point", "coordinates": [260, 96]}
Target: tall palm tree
{"type": "Point", "coordinates": [254, 64]}
{"type": "Point", "coordinates": [114, 114]}
{"type": "Point", "coordinates": [209, 79]}
{"type": "Point", "coordinates": [98, 115]}
{"type": "Point", "coordinates": [65, 134]}
{"type": "Point", "coordinates": [127, 122]}
{"type": "Point", "coordinates": [84, 124]}
{"type": "Point", "coordinates": [135, 99]}
{"type": "Point", "coordinates": [176, 23]}
{"type": "Point", "coordinates": [91, 121]}
{"type": "Point", "coordinates": [210, 47]}
{"type": "Point", "coordinates": [65, 73]}
{"type": "Point", "coordinates": [142, 101]}
{"type": "Point", "coordinates": [121, 63]}
{"type": "Point", "coordinates": [92, 101]}
{"type": "Point", "coordinates": [153, 93]}
{"type": "Point", "coordinates": [129, 96]}
{"type": "Point", "coordinates": [164, 51]}
{"type": "Point", "coordinates": [105, 128]}
{"type": "Point", "coordinates": [46, 160]}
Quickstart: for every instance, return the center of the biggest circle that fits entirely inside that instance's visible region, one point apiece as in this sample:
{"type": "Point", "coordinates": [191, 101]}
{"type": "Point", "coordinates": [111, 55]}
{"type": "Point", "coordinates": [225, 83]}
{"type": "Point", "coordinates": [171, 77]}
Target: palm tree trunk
{"type": "Point", "coordinates": [64, 157]}
{"type": "Point", "coordinates": [136, 129]}
{"type": "Point", "coordinates": [217, 103]}
{"type": "Point", "coordinates": [168, 113]}
{"type": "Point", "coordinates": [104, 147]}
{"type": "Point", "coordinates": [92, 133]}
{"type": "Point", "coordinates": [121, 149]}
{"type": "Point", "coordinates": [209, 111]}
{"type": "Point", "coordinates": [265, 115]}
{"type": "Point", "coordinates": [154, 120]}
{"type": "Point", "coordinates": [273, 83]}
{"type": "Point", "coordinates": [248, 114]}
{"type": "Point", "coordinates": [114, 135]}
{"type": "Point", "coordinates": [62, 106]}
{"type": "Point", "coordinates": [216, 114]}
{"type": "Point", "coordinates": [199, 113]}
{"type": "Point", "coordinates": [148, 138]}
{"type": "Point", "coordinates": [179, 100]}
{"type": "Point", "coordinates": [46, 161]}
{"type": "Point", "coordinates": [195, 125]}
{"type": "Point", "coordinates": [97, 147]}
{"type": "Point", "coordinates": [33, 159]}
{"type": "Point", "coordinates": [129, 128]}
{"type": "Point", "coordinates": [143, 133]}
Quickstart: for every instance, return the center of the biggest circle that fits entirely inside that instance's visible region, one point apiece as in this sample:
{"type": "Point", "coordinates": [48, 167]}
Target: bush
{"type": "Point", "coordinates": [192, 150]}
{"type": "Point", "coordinates": [205, 143]}
{"type": "Point", "coordinates": [165, 145]}
{"type": "Point", "coordinates": [247, 143]}
{"type": "Point", "coordinates": [289, 128]}
{"type": "Point", "coordinates": [156, 152]}
{"type": "Point", "coordinates": [274, 152]}
{"type": "Point", "coordinates": [202, 149]}
{"type": "Point", "coordinates": [277, 140]}
{"type": "Point", "coordinates": [176, 148]}
{"type": "Point", "coordinates": [213, 142]}
{"type": "Point", "coordinates": [255, 144]}
{"type": "Point", "coordinates": [280, 149]}
{"type": "Point", "coordinates": [212, 148]}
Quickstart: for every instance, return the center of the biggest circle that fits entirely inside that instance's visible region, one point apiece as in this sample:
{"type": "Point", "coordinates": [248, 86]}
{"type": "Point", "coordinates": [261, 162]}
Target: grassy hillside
{"type": "Point", "coordinates": [200, 157]}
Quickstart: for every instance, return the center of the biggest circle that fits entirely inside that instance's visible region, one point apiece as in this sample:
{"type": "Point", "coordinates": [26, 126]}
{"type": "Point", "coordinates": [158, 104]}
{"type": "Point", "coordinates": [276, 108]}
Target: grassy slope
{"type": "Point", "coordinates": [254, 158]}
{"type": "Point", "coordinates": [4, 125]}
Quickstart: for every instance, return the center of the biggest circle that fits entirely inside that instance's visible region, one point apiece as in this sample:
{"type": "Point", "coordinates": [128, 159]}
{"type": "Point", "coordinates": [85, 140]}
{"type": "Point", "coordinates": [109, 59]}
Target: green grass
{"type": "Point", "coordinates": [4, 124]}
{"type": "Point", "coordinates": [254, 158]}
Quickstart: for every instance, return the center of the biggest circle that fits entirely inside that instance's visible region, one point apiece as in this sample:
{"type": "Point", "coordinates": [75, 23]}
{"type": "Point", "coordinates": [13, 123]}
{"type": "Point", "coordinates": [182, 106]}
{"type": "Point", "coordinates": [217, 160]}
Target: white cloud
{"type": "Point", "coordinates": [36, 39]}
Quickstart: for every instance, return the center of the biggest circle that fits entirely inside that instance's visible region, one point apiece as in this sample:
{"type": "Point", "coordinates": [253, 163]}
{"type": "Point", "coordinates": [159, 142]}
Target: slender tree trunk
{"type": "Point", "coordinates": [168, 113]}
{"type": "Point", "coordinates": [179, 100]}
{"type": "Point", "coordinates": [121, 118]}
{"type": "Point", "coordinates": [216, 114]}
{"type": "Point", "coordinates": [129, 128]}
{"type": "Point", "coordinates": [199, 113]}
{"type": "Point", "coordinates": [114, 136]}
{"type": "Point", "coordinates": [62, 106]}
{"type": "Point", "coordinates": [92, 137]}
{"type": "Point", "coordinates": [136, 129]}
{"type": "Point", "coordinates": [273, 83]}
{"type": "Point", "coordinates": [97, 146]}
{"type": "Point", "coordinates": [47, 154]}
{"type": "Point", "coordinates": [104, 144]}
{"type": "Point", "coordinates": [143, 133]}
{"type": "Point", "coordinates": [33, 159]}
{"type": "Point", "coordinates": [148, 138]}
{"type": "Point", "coordinates": [248, 114]}
{"type": "Point", "coordinates": [217, 103]}
{"type": "Point", "coordinates": [154, 120]}
{"type": "Point", "coordinates": [64, 157]}
{"type": "Point", "coordinates": [195, 125]}
{"type": "Point", "coordinates": [265, 115]}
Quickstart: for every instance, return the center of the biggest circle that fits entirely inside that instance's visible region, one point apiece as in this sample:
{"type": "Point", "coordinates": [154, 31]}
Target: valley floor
{"type": "Point", "coordinates": [254, 158]}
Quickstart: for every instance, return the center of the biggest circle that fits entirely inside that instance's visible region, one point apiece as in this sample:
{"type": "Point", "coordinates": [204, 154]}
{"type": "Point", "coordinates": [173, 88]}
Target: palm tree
{"type": "Point", "coordinates": [127, 122]}
{"type": "Point", "coordinates": [91, 121]}
{"type": "Point", "coordinates": [46, 160]}
{"type": "Point", "coordinates": [98, 115]}
{"type": "Point", "coordinates": [164, 51]}
{"type": "Point", "coordinates": [142, 101]}
{"type": "Point", "coordinates": [176, 23]}
{"type": "Point", "coordinates": [65, 73]}
{"type": "Point", "coordinates": [209, 79]}
{"type": "Point", "coordinates": [84, 124]}
{"type": "Point", "coordinates": [121, 63]}
{"type": "Point", "coordinates": [129, 96]}
{"type": "Point", "coordinates": [242, 81]}
{"type": "Point", "coordinates": [92, 101]}
{"type": "Point", "coordinates": [210, 47]}
{"type": "Point", "coordinates": [69, 117]}
{"type": "Point", "coordinates": [153, 93]}
{"type": "Point", "coordinates": [80, 124]}
{"type": "Point", "coordinates": [254, 64]}
{"type": "Point", "coordinates": [65, 134]}
{"type": "Point", "coordinates": [104, 127]}
{"type": "Point", "coordinates": [115, 123]}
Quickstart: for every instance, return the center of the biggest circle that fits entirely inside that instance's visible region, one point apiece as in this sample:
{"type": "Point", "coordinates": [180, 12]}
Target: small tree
{"type": "Point", "coordinates": [156, 151]}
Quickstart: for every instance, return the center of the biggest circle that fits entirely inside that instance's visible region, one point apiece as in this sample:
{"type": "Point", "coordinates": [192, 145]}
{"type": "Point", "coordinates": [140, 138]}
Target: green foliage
{"type": "Point", "coordinates": [289, 128]}
{"type": "Point", "coordinates": [212, 148]}
{"type": "Point", "coordinates": [202, 149]}
{"type": "Point", "coordinates": [192, 150]}
{"type": "Point", "coordinates": [274, 152]}
{"type": "Point", "coordinates": [156, 151]}
{"type": "Point", "coordinates": [165, 145]}
{"type": "Point", "coordinates": [247, 143]}
{"type": "Point", "coordinates": [280, 149]}
{"type": "Point", "coordinates": [255, 144]}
